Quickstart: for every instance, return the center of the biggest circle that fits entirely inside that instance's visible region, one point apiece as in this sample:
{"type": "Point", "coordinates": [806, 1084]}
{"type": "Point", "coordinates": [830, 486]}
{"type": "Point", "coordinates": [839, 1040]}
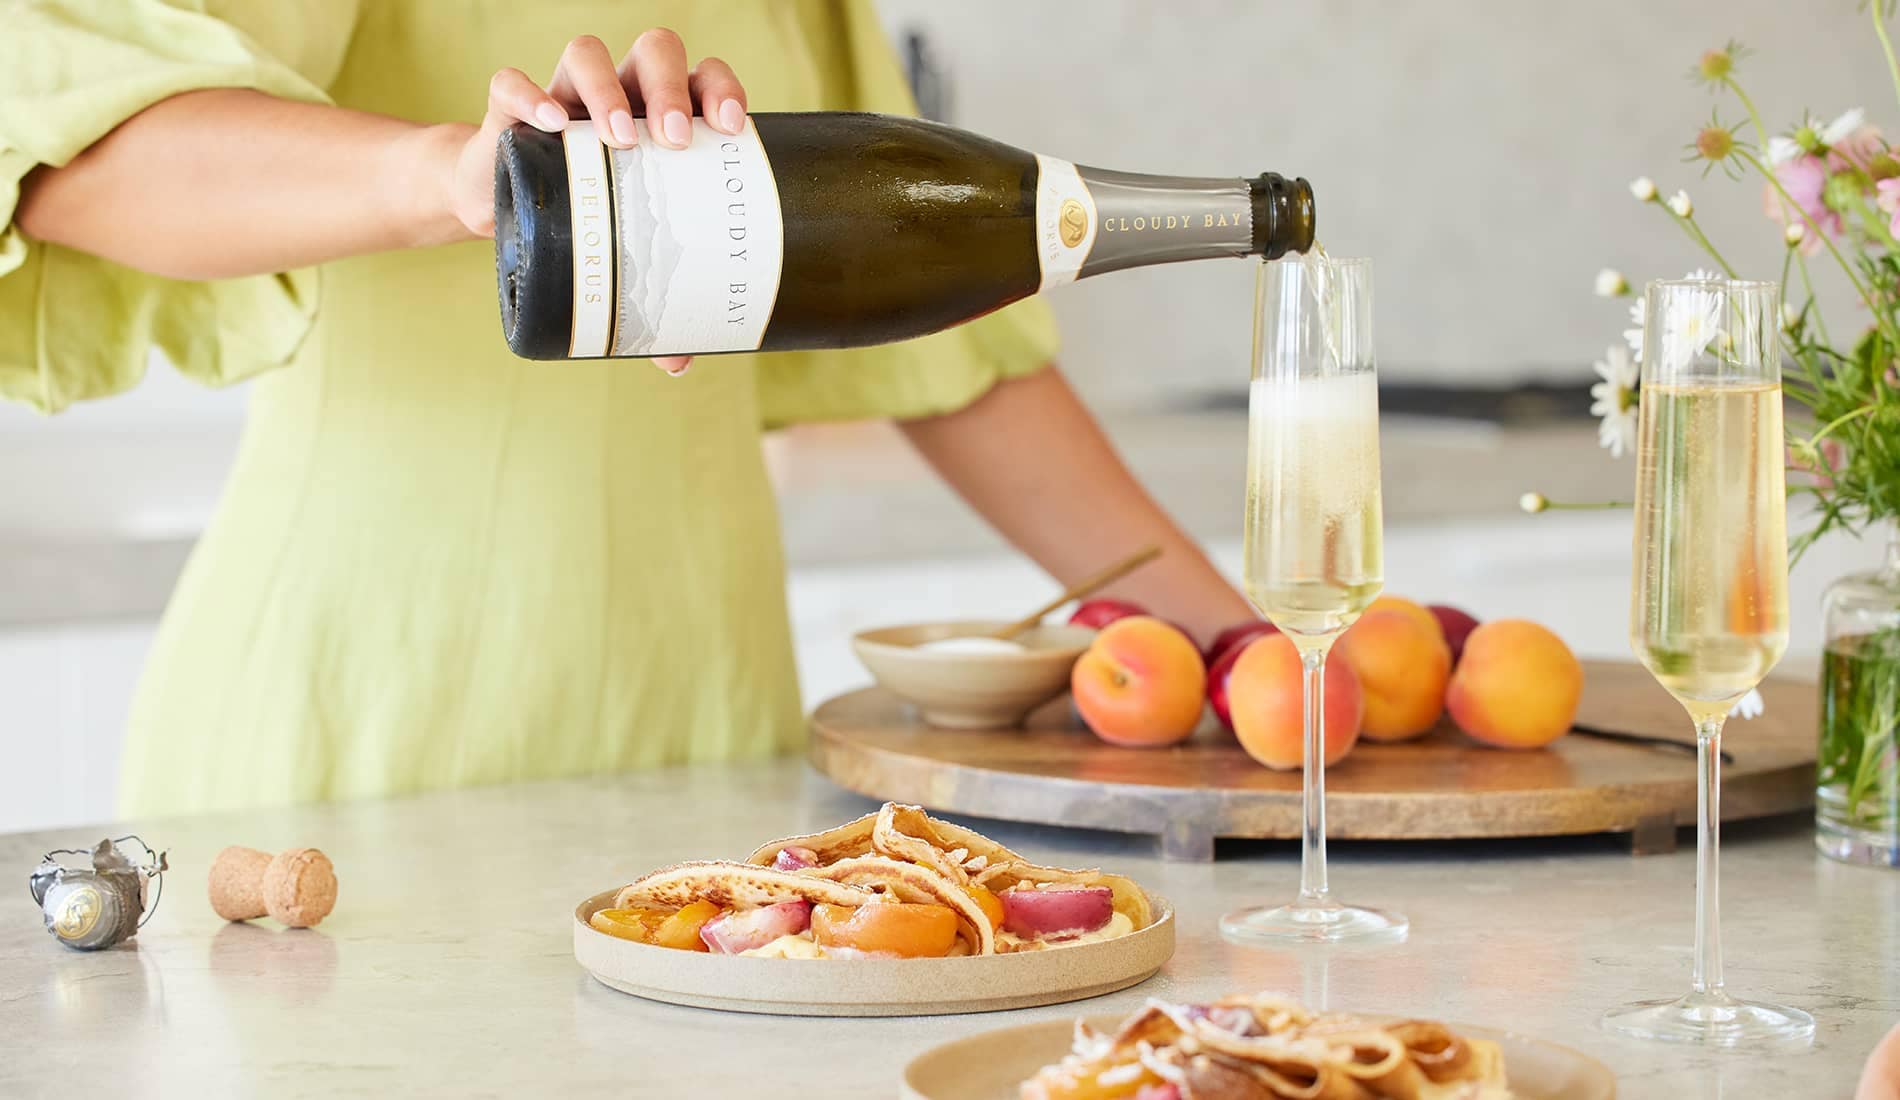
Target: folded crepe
{"type": "Point", "coordinates": [1267, 1048]}
{"type": "Point", "coordinates": [961, 856]}
{"type": "Point", "coordinates": [913, 883]}
{"type": "Point", "coordinates": [732, 885]}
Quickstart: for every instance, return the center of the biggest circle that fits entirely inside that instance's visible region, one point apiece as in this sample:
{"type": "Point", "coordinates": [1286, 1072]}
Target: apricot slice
{"type": "Point", "coordinates": [681, 930]}
{"type": "Point", "coordinates": [628, 924]}
{"type": "Point", "coordinates": [886, 928]}
{"type": "Point", "coordinates": [991, 905]}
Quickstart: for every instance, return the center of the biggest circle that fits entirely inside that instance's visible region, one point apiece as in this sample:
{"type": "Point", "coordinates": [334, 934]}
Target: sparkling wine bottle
{"type": "Point", "coordinates": [826, 230]}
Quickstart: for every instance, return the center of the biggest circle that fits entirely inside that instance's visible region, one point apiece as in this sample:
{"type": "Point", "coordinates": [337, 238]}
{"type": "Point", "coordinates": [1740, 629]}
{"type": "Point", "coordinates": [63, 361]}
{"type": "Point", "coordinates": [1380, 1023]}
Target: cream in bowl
{"type": "Point", "coordinates": [959, 679]}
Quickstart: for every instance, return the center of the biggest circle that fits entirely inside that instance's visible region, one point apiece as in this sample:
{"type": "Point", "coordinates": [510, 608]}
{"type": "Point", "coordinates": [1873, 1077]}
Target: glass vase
{"type": "Point", "coordinates": [1857, 785]}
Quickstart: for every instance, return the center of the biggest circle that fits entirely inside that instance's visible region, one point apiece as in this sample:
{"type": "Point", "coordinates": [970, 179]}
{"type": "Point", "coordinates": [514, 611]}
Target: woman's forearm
{"type": "Point", "coordinates": [228, 182]}
{"type": "Point", "coordinates": [1030, 458]}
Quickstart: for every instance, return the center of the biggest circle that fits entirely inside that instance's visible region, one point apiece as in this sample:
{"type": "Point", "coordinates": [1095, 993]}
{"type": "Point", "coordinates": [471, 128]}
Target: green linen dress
{"type": "Point", "coordinates": [434, 564]}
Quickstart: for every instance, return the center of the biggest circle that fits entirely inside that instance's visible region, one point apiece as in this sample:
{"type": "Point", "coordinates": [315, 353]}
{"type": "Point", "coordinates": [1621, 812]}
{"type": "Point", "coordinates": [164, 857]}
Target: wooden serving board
{"type": "Point", "coordinates": [1443, 785]}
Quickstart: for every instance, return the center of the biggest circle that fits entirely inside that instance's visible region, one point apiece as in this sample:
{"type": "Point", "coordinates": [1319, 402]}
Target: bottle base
{"type": "Point", "coordinates": [1847, 844]}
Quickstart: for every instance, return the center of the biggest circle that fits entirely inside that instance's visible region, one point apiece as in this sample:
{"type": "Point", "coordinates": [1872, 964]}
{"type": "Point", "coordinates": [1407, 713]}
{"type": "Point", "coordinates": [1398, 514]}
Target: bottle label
{"type": "Point", "coordinates": [591, 212]}
{"type": "Point", "coordinates": [698, 243]}
{"type": "Point", "coordinates": [1091, 220]}
{"type": "Point", "coordinates": [1066, 221]}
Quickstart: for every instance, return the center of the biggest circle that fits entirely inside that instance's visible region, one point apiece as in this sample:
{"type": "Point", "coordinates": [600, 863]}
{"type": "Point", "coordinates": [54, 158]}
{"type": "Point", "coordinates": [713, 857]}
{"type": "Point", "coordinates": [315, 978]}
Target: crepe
{"type": "Point", "coordinates": [914, 883]}
{"type": "Point", "coordinates": [732, 885]}
{"type": "Point", "coordinates": [897, 854]}
{"type": "Point", "coordinates": [1267, 1048]}
{"type": "Point", "coordinates": [962, 856]}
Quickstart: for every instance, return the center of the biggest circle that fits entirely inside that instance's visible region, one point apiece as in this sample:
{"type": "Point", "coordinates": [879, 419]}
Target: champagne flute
{"type": "Point", "coordinates": [1709, 599]}
{"type": "Point", "coordinates": [1313, 531]}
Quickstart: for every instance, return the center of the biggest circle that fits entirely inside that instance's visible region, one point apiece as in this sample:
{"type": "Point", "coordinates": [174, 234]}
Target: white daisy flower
{"type": "Point", "coordinates": [1689, 327]}
{"type": "Point", "coordinates": [1843, 126]}
{"type": "Point", "coordinates": [1748, 706]}
{"type": "Point", "coordinates": [1611, 283]}
{"type": "Point", "coordinates": [1639, 311]}
{"type": "Point", "coordinates": [1680, 205]}
{"type": "Point", "coordinates": [1615, 400]}
{"type": "Point", "coordinates": [1702, 275]}
{"type": "Point", "coordinates": [1782, 149]}
{"type": "Point", "coordinates": [1643, 189]}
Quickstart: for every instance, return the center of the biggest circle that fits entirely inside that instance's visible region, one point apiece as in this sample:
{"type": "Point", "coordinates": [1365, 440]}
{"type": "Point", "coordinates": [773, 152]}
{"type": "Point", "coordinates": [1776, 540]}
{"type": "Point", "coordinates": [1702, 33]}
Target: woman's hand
{"type": "Point", "coordinates": [652, 79]}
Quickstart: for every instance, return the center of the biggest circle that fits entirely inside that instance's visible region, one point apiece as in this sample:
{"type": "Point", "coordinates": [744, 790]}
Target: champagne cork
{"type": "Point", "coordinates": [296, 886]}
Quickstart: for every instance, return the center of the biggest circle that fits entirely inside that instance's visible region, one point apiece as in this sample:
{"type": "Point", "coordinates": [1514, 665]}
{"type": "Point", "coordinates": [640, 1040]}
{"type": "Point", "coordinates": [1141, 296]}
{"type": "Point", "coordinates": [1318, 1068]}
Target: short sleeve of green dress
{"type": "Point", "coordinates": [74, 326]}
{"type": "Point", "coordinates": [935, 374]}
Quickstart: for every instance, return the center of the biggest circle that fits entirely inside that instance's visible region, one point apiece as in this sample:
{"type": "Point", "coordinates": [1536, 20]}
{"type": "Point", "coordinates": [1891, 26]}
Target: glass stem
{"type": "Point", "coordinates": [1707, 977]}
{"type": "Point", "coordinates": [1313, 802]}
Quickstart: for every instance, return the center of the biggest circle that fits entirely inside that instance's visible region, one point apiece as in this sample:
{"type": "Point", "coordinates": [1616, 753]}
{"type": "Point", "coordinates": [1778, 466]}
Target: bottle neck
{"type": "Point", "coordinates": [1283, 215]}
{"type": "Point", "coordinates": [1111, 221]}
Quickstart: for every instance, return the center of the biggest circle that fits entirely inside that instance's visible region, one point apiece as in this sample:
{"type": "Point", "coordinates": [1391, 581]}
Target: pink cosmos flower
{"type": "Point", "coordinates": [1887, 197]}
{"type": "Point", "coordinates": [1858, 149]}
{"type": "Point", "coordinates": [1805, 179]}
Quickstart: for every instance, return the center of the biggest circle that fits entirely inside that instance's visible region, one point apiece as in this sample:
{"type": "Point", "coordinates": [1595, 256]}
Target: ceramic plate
{"type": "Point", "coordinates": [871, 987]}
{"type": "Point", "coordinates": [992, 1065]}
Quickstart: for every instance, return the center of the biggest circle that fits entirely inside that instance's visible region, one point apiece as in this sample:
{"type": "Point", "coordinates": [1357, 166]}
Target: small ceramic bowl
{"type": "Point", "coordinates": [972, 691]}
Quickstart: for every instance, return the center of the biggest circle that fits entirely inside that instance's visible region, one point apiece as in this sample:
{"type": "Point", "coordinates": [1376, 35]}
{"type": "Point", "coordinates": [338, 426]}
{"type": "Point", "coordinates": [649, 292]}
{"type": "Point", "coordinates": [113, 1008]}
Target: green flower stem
{"type": "Point", "coordinates": [1695, 234]}
{"type": "Point", "coordinates": [1761, 132]}
{"type": "Point", "coordinates": [1814, 310]}
{"type": "Point", "coordinates": [1584, 506]}
{"type": "Point", "coordinates": [1828, 428]}
{"type": "Point", "coordinates": [1880, 31]}
{"type": "Point", "coordinates": [1775, 182]}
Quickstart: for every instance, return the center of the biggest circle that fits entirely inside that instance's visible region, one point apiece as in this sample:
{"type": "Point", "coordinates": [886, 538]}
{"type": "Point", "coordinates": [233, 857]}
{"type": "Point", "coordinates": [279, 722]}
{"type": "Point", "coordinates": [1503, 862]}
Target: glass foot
{"type": "Point", "coordinates": [1312, 922]}
{"type": "Point", "coordinates": [1713, 1020]}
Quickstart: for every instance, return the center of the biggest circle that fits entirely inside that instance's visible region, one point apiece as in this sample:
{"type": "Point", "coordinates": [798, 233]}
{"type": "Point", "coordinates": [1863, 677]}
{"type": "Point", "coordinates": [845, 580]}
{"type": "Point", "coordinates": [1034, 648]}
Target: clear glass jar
{"type": "Point", "coordinates": [1857, 790]}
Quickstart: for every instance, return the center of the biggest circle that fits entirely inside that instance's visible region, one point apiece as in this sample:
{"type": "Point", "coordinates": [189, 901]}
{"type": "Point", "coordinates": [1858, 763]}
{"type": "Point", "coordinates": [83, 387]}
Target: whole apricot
{"type": "Point", "coordinates": [1403, 664]}
{"type": "Point", "coordinates": [1517, 686]}
{"type": "Point", "coordinates": [1264, 700]}
{"type": "Point", "coordinates": [1140, 684]}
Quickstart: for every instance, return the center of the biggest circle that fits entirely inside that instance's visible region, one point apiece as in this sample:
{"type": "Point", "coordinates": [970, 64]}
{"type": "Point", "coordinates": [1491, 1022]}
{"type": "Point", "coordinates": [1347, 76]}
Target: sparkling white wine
{"type": "Point", "coordinates": [1710, 613]}
{"type": "Point", "coordinates": [829, 230]}
{"type": "Point", "coordinates": [1313, 554]}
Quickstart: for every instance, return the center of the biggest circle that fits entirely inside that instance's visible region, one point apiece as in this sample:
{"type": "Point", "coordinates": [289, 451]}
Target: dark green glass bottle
{"type": "Point", "coordinates": [826, 230]}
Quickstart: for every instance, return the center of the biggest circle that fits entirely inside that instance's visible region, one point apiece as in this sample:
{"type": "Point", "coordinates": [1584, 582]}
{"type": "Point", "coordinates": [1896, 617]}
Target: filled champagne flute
{"type": "Point", "coordinates": [1709, 594]}
{"type": "Point", "coordinates": [1313, 531]}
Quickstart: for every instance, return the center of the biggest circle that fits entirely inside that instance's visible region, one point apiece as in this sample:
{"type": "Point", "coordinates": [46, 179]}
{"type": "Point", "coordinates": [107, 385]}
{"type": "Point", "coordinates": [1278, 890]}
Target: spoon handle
{"type": "Point", "coordinates": [1079, 589]}
{"type": "Point", "coordinates": [1645, 739]}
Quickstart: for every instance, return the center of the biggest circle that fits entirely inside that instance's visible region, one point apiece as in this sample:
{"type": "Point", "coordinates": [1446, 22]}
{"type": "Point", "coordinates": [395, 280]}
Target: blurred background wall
{"type": "Point", "coordinates": [1478, 149]}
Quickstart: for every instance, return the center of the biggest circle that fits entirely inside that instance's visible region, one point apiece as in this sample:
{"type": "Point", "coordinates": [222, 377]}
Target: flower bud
{"type": "Point", "coordinates": [1643, 188]}
{"type": "Point", "coordinates": [1790, 317]}
{"type": "Point", "coordinates": [1533, 502]}
{"type": "Point", "coordinates": [1611, 283]}
{"type": "Point", "coordinates": [1794, 233]}
{"type": "Point", "coordinates": [1680, 206]}
{"type": "Point", "coordinates": [1715, 65]}
{"type": "Point", "coordinates": [1843, 189]}
{"type": "Point", "coordinates": [1714, 144]}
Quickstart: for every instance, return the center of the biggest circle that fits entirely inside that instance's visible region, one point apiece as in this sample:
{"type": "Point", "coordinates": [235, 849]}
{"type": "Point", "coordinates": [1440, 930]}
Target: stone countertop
{"type": "Point", "coordinates": [447, 968]}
